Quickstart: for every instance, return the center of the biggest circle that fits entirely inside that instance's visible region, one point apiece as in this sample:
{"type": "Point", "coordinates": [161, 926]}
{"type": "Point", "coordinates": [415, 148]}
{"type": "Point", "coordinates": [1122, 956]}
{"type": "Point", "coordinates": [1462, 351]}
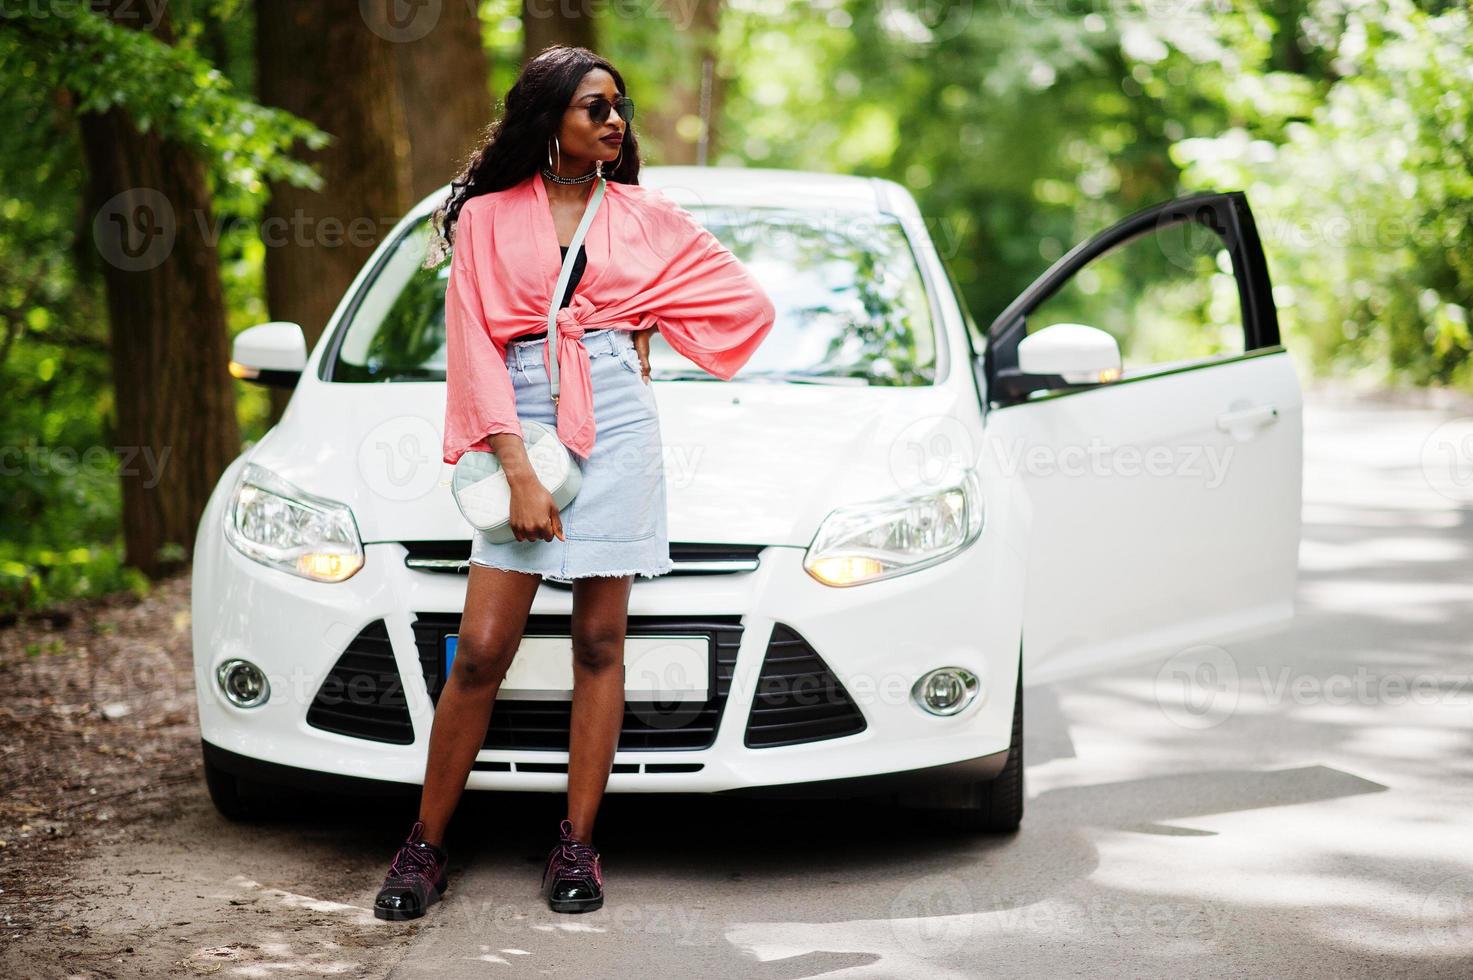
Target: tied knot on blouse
{"type": "Point", "coordinates": [671, 273]}
{"type": "Point", "coordinates": [576, 427]}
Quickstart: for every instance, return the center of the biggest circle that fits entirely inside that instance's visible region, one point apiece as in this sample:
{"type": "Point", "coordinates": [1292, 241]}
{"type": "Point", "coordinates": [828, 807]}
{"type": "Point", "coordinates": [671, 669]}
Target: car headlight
{"type": "Point", "coordinates": [867, 542]}
{"type": "Point", "coordinates": [271, 521]}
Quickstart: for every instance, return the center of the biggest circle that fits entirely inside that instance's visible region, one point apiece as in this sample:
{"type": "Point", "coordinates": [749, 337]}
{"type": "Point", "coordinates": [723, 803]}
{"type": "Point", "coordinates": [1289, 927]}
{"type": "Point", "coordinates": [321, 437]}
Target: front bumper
{"type": "Point", "coordinates": [275, 774]}
{"type": "Point", "coordinates": [384, 624]}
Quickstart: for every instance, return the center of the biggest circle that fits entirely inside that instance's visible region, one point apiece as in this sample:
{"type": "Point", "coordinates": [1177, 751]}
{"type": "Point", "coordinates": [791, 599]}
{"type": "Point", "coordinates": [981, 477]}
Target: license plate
{"type": "Point", "coordinates": [656, 668]}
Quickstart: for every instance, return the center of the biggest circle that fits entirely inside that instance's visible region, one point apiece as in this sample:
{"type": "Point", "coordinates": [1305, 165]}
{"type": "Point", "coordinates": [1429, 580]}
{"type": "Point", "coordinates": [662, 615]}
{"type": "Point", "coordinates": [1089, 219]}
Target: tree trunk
{"type": "Point", "coordinates": [445, 91]}
{"type": "Point", "coordinates": [322, 61]}
{"type": "Point", "coordinates": [545, 24]}
{"type": "Point", "coordinates": [153, 225]}
{"type": "Point", "coordinates": [696, 94]}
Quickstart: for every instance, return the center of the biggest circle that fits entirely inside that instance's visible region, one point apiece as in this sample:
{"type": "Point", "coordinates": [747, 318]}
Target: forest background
{"type": "Point", "coordinates": [1021, 126]}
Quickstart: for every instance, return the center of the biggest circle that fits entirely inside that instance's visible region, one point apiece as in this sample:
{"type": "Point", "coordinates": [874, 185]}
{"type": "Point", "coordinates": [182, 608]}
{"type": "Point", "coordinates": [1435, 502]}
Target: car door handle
{"type": "Point", "coordinates": [1251, 417]}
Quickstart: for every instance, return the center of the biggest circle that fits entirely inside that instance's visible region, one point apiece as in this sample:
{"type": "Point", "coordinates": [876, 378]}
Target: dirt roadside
{"type": "Point", "coordinates": [114, 863]}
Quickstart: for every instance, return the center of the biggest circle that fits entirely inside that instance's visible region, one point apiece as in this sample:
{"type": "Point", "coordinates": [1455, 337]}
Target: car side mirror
{"type": "Point", "coordinates": [272, 354]}
{"type": "Point", "coordinates": [1076, 353]}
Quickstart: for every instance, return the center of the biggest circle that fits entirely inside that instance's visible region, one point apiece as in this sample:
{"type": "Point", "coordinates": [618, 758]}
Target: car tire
{"type": "Point", "coordinates": [232, 795]}
{"type": "Point", "coordinates": [999, 801]}
{"type": "Point", "coordinates": [990, 806]}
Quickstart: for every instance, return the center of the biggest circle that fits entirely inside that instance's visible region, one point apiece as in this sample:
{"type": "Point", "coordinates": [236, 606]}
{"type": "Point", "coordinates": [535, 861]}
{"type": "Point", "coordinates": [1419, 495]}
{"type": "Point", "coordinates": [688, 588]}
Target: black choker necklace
{"type": "Point", "coordinates": [597, 171]}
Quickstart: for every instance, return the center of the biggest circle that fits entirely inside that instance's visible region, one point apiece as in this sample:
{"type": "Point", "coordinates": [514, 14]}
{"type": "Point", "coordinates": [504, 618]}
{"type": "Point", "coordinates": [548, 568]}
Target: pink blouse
{"type": "Point", "coordinates": [650, 263]}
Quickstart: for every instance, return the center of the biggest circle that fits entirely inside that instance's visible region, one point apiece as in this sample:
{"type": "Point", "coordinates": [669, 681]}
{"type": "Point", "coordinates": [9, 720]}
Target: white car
{"type": "Point", "coordinates": [881, 526]}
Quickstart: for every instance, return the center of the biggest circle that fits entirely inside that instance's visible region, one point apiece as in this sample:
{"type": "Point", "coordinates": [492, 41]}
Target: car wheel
{"type": "Point", "coordinates": [231, 795]}
{"type": "Point", "coordinates": [993, 806]}
{"type": "Point", "coordinates": [999, 801]}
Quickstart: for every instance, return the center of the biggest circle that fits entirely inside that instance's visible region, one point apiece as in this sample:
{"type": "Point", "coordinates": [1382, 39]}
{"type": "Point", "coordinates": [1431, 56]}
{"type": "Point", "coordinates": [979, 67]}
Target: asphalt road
{"type": "Point", "coordinates": [1304, 811]}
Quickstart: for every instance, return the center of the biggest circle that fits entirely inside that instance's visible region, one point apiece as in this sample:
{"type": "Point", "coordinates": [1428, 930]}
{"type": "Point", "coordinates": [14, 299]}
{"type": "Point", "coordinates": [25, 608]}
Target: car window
{"type": "Point", "coordinates": [852, 307]}
{"type": "Point", "coordinates": [1168, 297]}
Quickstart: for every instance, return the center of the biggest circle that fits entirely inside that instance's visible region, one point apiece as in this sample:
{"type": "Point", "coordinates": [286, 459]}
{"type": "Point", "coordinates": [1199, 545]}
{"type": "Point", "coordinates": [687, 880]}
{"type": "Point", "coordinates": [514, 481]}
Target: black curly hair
{"type": "Point", "coordinates": [516, 144]}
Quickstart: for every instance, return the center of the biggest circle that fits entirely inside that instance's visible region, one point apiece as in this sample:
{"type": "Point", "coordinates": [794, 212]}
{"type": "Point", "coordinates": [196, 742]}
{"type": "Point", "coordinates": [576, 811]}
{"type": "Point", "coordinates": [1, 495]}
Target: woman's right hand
{"type": "Point", "coordinates": [534, 514]}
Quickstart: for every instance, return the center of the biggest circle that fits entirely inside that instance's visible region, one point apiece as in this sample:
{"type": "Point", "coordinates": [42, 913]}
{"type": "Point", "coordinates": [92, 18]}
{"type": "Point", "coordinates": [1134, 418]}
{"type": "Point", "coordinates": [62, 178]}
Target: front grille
{"type": "Point", "coordinates": [520, 724]}
{"type": "Point", "coordinates": [560, 767]}
{"type": "Point", "coordinates": [363, 695]}
{"type": "Point", "coordinates": [690, 558]}
{"type": "Point", "coordinates": [798, 699]}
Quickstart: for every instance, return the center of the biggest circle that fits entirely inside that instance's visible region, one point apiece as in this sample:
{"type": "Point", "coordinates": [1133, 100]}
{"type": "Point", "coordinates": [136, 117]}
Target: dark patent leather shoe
{"type": "Point", "coordinates": [416, 878]}
{"type": "Point", "coordinates": [573, 880]}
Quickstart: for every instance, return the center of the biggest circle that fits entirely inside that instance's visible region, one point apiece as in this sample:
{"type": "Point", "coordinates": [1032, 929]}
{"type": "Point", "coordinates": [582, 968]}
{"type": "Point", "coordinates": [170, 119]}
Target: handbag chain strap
{"type": "Point", "coordinates": [562, 282]}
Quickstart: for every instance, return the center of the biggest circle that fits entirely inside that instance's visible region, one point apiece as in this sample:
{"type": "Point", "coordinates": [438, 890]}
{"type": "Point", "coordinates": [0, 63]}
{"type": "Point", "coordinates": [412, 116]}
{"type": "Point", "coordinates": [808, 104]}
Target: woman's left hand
{"type": "Point", "coordinates": [642, 348]}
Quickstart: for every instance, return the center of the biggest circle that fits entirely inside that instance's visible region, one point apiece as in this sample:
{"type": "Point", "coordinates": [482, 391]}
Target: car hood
{"type": "Point", "coordinates": [745, 462]}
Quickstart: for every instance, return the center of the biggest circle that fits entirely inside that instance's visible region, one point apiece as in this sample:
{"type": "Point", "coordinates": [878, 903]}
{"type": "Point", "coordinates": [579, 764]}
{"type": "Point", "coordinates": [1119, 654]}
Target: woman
{"type": "Point", "coordinates": [645, 264]}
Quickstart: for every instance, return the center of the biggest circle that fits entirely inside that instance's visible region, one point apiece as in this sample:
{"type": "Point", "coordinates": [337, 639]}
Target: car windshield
{"type": "Point", "coordinates": [852, 308]}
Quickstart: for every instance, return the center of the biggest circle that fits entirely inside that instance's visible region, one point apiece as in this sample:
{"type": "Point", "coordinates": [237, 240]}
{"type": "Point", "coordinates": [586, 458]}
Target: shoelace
{"type": "Point", "coordinates": [412, 860]}
{"type": "Point", "coordinates": [579, 858]}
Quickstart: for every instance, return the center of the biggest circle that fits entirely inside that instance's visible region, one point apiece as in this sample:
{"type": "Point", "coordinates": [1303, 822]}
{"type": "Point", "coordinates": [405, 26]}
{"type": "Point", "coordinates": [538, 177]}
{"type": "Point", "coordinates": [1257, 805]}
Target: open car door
{"type": "Point", "coordinates": [1139, 392]}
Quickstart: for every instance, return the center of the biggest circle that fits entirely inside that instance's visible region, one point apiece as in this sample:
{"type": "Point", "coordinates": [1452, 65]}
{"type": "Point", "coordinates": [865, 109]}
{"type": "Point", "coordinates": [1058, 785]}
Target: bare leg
{"type": "Point", "coordinates": [600, 620]}
{"type": "Point", "coordinates": [496, 605]}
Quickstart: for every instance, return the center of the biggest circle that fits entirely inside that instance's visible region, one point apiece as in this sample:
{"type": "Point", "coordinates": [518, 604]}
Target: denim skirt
{"type": "Point", "coordinates": [617, 523]}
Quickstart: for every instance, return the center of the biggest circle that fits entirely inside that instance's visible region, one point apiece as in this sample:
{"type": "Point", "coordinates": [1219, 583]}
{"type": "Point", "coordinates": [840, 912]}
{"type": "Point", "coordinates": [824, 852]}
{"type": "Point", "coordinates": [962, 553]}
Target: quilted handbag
{"type": "Point", "coordinates": [484, 496]}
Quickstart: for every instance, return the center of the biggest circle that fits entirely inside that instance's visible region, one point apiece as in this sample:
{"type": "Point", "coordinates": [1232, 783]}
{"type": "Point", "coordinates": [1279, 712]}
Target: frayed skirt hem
{"type": "Point", "coordinates": [659, 569]}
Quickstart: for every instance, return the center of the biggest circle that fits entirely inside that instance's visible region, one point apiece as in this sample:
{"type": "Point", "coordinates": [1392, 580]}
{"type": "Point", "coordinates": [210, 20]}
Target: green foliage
{"type": "Point", "coordinates": [166, 88]}
{"type": "Point", "coordinates": [1022, 128]}
{"type": "Point", "coordinates": [39, 578]}
{"type": "Point", "coordinates": [58, 470]}
{"type": "Point", "coordinates": [1366, 204]}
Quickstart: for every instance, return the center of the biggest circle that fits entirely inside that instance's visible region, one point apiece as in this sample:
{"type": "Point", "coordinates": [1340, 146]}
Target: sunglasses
{"type": "Point", "coordinates": [598, 109]}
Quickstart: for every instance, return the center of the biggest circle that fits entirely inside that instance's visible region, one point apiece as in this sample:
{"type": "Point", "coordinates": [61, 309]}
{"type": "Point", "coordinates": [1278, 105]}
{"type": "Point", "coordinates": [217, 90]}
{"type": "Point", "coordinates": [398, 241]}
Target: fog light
{"type": "Point", "coordinates": [243, 683]}
{"type": "Point", "coordinates": [945, 690]}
